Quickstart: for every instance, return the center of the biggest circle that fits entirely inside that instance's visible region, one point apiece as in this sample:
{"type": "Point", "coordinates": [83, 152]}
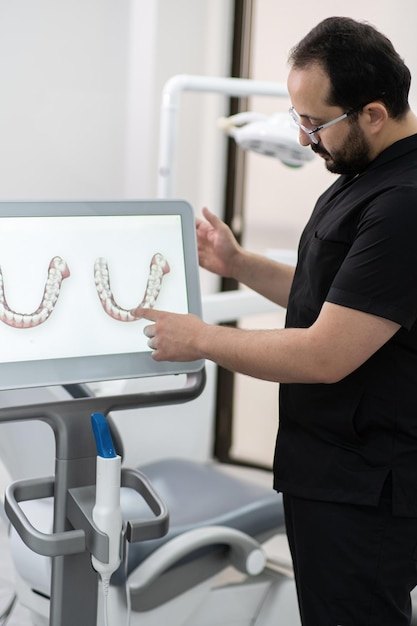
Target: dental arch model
{"type": "Point", "coordinates": [158, 268]}
{"type": "Point", "coordinates": [57, 271]}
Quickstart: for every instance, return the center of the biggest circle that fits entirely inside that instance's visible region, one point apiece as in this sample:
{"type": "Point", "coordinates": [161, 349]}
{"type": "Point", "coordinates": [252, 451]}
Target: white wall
{"type": "Point", "coordinates": [81, 84]}
{"type": "Point", "coordinates": [63, 76]}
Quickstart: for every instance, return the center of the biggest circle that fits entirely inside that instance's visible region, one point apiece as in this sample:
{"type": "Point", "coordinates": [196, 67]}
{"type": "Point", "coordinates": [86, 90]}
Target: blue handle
{"type": "Point", "coordinates": [102, 435]}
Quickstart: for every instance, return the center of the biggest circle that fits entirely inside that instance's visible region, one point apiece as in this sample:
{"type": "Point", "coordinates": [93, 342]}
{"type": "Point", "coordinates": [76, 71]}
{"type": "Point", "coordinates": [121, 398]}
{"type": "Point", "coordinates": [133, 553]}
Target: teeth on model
{"type": "Point", "coordinates": [36, 319]}
{"type": "Point", "coordinates": [157, 269]}
{"type": "Point", "coordinates": [27, 321]}
{"type": "Point", "coordinates": [18, 318]}
{"type": "Point", "coordinates": [59, 265]}
{"type": "Point", "coordinates": [58, 270]}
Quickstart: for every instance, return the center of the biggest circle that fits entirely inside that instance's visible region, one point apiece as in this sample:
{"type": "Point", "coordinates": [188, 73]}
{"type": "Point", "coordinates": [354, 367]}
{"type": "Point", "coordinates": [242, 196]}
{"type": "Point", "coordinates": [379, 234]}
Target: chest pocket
{"type": "Point", "coordinates": [321, 262]}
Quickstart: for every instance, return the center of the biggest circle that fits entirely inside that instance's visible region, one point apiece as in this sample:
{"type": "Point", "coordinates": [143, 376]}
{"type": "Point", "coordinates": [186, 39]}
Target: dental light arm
{"type": "Point", "coordinates": [170, 105]}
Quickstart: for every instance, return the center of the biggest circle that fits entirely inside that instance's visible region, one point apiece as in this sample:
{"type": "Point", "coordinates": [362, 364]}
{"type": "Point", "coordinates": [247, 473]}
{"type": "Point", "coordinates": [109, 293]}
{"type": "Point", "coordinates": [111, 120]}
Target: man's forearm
{"type": "Point", "coordinates": [269, 278]}
{"type": "Point", "coordinates": [339, 342]}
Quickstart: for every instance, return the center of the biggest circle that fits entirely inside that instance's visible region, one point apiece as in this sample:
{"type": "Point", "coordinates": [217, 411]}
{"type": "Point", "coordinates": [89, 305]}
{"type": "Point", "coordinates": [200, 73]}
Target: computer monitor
{"type": "Point", "coordinates": [71, 275]}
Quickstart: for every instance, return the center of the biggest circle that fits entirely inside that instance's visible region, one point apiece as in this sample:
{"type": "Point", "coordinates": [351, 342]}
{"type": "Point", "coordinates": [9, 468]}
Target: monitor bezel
{"type": "Point", "coordinates": [94, 368]}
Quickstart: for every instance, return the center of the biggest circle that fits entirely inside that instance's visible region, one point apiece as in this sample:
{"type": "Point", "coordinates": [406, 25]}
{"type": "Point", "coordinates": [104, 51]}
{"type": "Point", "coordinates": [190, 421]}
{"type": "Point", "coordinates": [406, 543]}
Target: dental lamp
{"type": "Point", "coordinates": [274, 136]}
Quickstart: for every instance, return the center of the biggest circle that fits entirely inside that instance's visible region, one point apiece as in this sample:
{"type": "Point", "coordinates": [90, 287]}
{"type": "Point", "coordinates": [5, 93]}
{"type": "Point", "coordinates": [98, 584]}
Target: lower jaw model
{"type": "Point", "coordinates": [158, 268]}
{"type": "Point", "coordinates": [57, 271]}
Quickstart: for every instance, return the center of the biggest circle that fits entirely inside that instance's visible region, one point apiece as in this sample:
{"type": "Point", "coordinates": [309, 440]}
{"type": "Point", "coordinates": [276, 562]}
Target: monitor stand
{"type": "Point", "coordinates": [74, 584]}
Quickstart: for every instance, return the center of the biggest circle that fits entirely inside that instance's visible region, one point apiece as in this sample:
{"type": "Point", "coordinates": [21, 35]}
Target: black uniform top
{"type": "Point", "coordinates": [338, 442]}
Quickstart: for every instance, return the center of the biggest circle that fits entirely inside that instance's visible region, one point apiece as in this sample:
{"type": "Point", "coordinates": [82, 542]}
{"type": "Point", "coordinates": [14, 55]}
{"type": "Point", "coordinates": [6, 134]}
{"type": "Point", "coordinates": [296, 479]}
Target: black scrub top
{"type": "Point", "coordinates": [338, 442]}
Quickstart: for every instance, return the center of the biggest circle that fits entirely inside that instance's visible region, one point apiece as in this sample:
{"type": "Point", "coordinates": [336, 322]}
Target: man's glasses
{"type": "Point", "coordinates": [312, 133]}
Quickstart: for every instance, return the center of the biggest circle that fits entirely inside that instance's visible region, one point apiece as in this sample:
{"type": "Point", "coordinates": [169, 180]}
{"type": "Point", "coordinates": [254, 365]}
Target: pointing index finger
{"type": "Point", "coordinates": [147, 314]}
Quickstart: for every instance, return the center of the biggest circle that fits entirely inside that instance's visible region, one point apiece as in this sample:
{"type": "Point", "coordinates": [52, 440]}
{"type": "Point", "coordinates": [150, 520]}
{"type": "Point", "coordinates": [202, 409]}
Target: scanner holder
{"type": "Point", "coordinates": [80, 503]}
{"type": "Point", "coordinates": [74, 588]}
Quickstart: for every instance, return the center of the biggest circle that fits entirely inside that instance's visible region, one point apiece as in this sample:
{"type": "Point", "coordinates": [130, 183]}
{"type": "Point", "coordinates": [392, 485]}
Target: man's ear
{"type": "Point", "coordinates": [375, 116]}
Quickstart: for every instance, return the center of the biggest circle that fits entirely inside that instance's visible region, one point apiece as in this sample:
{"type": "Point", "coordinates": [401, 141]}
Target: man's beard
{"type": "Point", "coordinates": [352, 158]}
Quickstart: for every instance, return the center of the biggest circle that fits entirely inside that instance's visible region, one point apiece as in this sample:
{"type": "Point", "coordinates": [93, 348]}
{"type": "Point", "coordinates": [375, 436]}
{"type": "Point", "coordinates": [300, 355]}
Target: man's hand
{"type": "Point", "coordinates": [172, 336]}
{"type": "Point", "coordinates": [217, 246]}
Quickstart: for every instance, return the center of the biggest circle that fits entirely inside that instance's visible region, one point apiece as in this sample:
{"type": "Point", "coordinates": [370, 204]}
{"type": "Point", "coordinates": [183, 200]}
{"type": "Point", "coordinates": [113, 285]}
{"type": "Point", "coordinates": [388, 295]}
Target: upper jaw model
{"type": "Point", "coordinates": [57, 271]}
{"type": "Point", "coordinates": [158, 268]}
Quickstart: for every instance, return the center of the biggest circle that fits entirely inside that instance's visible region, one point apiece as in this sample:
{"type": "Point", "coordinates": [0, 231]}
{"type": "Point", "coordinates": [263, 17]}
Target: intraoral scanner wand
{"type": "Point", "coordinates": [107, 514]}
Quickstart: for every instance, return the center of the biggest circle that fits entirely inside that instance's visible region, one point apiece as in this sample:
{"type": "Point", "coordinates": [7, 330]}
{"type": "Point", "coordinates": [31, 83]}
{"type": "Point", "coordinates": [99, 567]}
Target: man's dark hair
{"type": "Point", "coordinates": [361, 62]}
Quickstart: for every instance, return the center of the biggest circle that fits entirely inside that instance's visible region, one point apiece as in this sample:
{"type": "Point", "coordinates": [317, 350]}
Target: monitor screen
{"type": "Point", "coordinates": [71, 273]}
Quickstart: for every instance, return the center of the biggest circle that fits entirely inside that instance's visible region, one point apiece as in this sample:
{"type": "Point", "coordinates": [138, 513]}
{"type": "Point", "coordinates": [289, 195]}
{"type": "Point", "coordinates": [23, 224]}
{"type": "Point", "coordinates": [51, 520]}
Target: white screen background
{"type": "Point", "coordinates": [79, 326]}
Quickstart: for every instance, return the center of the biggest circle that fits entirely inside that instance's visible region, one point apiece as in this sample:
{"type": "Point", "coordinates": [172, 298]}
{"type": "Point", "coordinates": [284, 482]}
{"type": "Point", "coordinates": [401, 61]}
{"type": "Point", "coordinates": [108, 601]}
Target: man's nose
{"type": "Point", "coordinates": [304, 138]}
